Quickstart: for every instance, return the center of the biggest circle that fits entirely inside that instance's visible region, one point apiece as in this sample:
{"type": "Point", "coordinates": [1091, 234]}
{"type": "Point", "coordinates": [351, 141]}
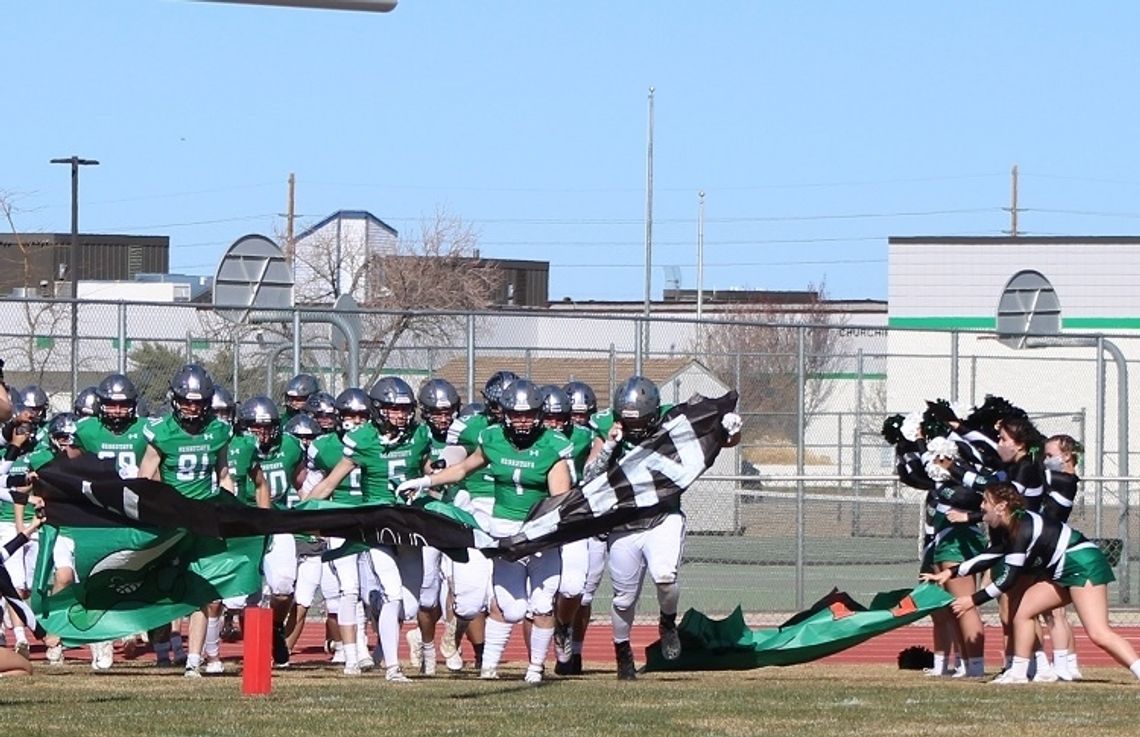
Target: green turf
{"type": "Point", "coordinates": [804, 701]}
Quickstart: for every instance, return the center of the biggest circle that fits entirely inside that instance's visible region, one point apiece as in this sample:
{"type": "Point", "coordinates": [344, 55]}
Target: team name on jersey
{"type": "Point", "coordinates": [195, 448]}
{"type": "Point", "coordinates": [517, 462]}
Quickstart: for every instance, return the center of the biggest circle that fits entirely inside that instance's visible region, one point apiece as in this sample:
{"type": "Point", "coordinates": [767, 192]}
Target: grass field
{"type": "Point", "coordinates": [809, 700]}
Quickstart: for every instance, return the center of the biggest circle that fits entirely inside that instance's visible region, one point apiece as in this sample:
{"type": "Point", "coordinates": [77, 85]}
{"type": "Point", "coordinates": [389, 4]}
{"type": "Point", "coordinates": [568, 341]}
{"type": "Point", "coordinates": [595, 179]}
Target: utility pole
{"type": "Point", "coordinates": [73, 263]}
{"type": "Point", "coordinates": [644, 348]}
{"type": "Point", "coordinates": [290, 213]}
{"type": "Point", "coordinates": [1013, 210]}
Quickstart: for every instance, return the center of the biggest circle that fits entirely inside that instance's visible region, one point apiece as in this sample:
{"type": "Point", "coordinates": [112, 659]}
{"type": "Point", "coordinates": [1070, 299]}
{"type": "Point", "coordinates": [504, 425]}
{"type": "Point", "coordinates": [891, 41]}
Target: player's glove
{"type": "Point", "coordinates": [732, 423]}
{"type": "Point", "coordinates": [411, 488]}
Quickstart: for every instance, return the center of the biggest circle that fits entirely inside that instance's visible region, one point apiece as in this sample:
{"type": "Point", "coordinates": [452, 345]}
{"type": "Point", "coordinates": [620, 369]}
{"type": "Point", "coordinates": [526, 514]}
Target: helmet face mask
{"type": "Point", "coordinates": [223, 405]}
{"type": "Point", "coordinates": [493, 392]}
{"type": "Point", "coordinates": [86, 403]}
{"type": "Point", "coordinates": [638, 408]}
{"type": "Point", "coordinates": [322, 407]}
{"type": "Point", "coordinates": [583, 402]}
{"type": "Point", "coordinates": [298, 391]}
{"type": "Point", "coordinates": [191, 395]}
{"type": "Point", "coordinates": [61, 431]}
{"type": "Point", "coordinates": [306, 429]}
{"type": "Point", "coordinates": [352, 410]}
{"type": "Point", "coordinates": [522, 403]}
{"type": "Point", "coordinates": [556, 409]}
{"type": "Point", "coordinates": [394, 406]}
{"type": "Point", "coordinates": [439, 406]}
{"type": "Point", "coordinates": [118, 402]}
{"type": "Point", "coordinates": [259, 417]}
{"type": "Point", "coordinates": [35, 403]}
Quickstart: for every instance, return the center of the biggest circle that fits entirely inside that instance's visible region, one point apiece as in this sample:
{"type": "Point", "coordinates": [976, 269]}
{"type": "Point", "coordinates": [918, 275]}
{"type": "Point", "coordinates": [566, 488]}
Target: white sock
{"type": "Point", "coordinates": [495, 639]}
{"type": "Point", "coordinates": [360, 647]}
{"type": "Point", "coordinates": [388, 629]}
{"type": "Point", "coordinates": [1019, 667]}
{"type": "Point", "coordinates": [939, 663]}
{"type": "Point", "coordinates": [429, 652]}
{"type": "Point", "coordinates": [975, 667]}
{"type": "Point", "coordinates": [361, 632]}
{"type": "Point", "coordinates": [539, 643]}
{"type": "Point", "coordinates": [20, 633]}
{"type": "Point", "coordinates": [1135, 668]}
{"type": "Point", "coordinates": [1042, 660]}
{"type": "Point", "coordinates": [1061, 661]}
{"type": "Point", "coordinates": [213, 639]}
{"type": "Point", "coordinates": [193, 660]}
{"type": "Point", "coordinates": [1073, 662]}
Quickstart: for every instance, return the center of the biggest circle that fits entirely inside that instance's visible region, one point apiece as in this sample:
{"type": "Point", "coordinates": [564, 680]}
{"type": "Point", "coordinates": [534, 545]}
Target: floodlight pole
{"type": "Point", "coordinates": [73, 263]}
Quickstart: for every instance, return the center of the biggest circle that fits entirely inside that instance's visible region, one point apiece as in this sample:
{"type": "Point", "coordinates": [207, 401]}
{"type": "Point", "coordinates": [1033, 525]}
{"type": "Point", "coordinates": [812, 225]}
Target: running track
{"type": "Point", "coordinates": [599, 649]}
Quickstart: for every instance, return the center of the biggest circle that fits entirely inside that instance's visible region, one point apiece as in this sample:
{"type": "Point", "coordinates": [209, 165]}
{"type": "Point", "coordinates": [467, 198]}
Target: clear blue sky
{"type": "Point", "coordinates": [817, 129]}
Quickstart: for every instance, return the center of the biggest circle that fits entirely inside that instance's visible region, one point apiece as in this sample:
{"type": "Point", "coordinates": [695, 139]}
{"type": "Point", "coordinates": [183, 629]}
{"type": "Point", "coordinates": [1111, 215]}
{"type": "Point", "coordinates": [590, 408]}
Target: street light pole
{"type": "Point", "coordinates": [643, 348]}
{"type": "Point", "coordinates": [73, 263]}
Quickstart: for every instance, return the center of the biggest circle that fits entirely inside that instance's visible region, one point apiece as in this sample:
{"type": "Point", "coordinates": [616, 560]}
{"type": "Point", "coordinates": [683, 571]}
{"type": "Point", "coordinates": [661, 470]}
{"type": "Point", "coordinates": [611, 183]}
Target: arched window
{"type": "Point", "coordinates": [1028, 307]}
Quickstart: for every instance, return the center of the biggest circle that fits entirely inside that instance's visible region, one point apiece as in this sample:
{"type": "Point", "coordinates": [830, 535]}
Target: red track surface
{"type": "Point", "coordinates": [599, 649]}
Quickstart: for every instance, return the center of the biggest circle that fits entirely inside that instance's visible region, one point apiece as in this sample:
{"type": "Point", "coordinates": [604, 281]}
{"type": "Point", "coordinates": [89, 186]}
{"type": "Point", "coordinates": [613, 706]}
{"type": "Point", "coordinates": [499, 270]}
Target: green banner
{"type": "Point", "coordinates": [834, 624]}
{"type": "Point", "coordinates": [131, 580]}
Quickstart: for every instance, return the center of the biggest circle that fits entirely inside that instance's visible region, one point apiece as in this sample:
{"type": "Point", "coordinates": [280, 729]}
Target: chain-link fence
{"type": "Point", "coordinates": [808, 501]}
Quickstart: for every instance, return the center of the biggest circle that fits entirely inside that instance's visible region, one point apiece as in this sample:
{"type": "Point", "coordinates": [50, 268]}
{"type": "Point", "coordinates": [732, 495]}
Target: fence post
{"type": "Point", "coordinates": [237, 362]}
{"type": "Point", "coordinates": [954, 366]}
{"type": "Point", "coordinates": [297, 341]}
{"type": "Point", "coordinates": [470, 357]}
{"type": "Point", "coordinates": [1101, 399]}
{"type": "Point", "coordinates": [638, 353]}
{"type": "Point", "coordinates": [189, 348]}
{"type": "Point", "coordinates": [122, 337]}
{"type": "Point", "coordinates": [857, 440]}
{"type": "Point", "coordinates": [613, 372]}
{"type": "Point", "coordinates": [801, 430]}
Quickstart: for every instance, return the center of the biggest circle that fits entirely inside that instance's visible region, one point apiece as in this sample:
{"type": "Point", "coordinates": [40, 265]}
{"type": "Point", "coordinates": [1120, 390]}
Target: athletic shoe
{"type": "Point", "coordinates": [447, 646]}
{"type": "Point", "coordinates": [533, 675]}
{"type": "Point", "coordinates": [102, 655]}
{"type": "Point", "coordinates": [337, 654]}
{"type": "Point", "coordinates": [280, 649]}
{"type": "Point", "coordinates": [366, 663]}
{"type": "Point", "coordinates": [454, 662]}
{"type": "Point", "coordinates": [1045, 675]}
{"type": "Point", "coordinates": [229, 633]}
{"type": "Point", "coordinates": [670, 641]}
{"type": "Point", "coordinates": [576, 664]}
{"type": "Point", "coordinates": [427, 665]}
{"type": "Point", "coordinates": [415, 648]}
{"type": "Point", "coordinates": [563, 669]}
{"type": "Point", "coordinates": [55, 655]}
{"type": "Point", "coordinates": [1074, 674]}
{"type": "Point", "coordinates": [191, 672]}
{"type": "Point", "coordinates": [626, 670]}
{"type": "Point", "coordinates": [215, 667]}
{"type": "Point", "coordinates": [489, 674]}
{"type": "Point", "coordinates": [562, 637]}
{"type": "Point", "coordinates": [395, 675]}
{"type": "Point", "coordinates": [23, 650]}
{"type": "Point", "coordinates": [351, 669]}
{"type": "Point", "coordinates": [1007, 678]}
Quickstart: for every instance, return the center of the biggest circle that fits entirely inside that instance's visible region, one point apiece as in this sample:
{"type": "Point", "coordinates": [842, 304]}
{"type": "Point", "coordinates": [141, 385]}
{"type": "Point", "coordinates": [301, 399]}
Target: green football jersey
{"type": "Point", "coordinates": [125, 448]}
{"type": "Point", "coordinates": [280, 468]}
{"type": "Point", "coordinates": [25, 464]}
{"type": "Point", "coordinates": [241, 456]}
{"type": "Point", "coordinates": [582, 440]}
{"type": "Point", "coordinates": [465, 432]}
{"type": "Point", "coordinates": [188, 461]}
{"type": "Point", "coordinates": [520, 475]}
{"type": "Point", "coordinates": [385, 466]}
{"type": "Point", "coordinates": [324, 453]}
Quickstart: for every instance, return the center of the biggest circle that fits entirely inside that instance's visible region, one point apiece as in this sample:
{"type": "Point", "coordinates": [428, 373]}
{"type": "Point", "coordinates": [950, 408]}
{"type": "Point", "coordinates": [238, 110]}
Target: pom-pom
{"type": "Point", "coordinates": [942, 448]}
{"type": "Point", "coordinates": [892, 429]}
{"type": "Point", "coordinates": [915, 657]}
{"type": "Point", "coordinates": [911, 427]}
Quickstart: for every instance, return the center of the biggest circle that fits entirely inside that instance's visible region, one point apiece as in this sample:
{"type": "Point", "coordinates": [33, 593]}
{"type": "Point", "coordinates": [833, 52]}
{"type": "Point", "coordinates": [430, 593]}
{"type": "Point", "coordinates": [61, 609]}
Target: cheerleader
{"type": "Point", "coordinates": [1060, 566]}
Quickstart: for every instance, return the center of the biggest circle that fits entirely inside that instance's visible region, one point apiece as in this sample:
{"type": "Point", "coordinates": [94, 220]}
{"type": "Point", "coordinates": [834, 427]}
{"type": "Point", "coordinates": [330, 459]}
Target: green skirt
{"type": "Point", "coordinates": [1085, 563]}
{"type": "Point", "coordinates": [959, 544]}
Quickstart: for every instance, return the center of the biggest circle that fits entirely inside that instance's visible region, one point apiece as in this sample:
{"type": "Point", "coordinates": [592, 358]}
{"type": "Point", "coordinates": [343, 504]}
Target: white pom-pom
{"type": "Point", "coordinates": [937, 473]}
{"type": "Point", "coordinates": [942, 448]}
{"type": "Point", "coordinates": [911, 425]}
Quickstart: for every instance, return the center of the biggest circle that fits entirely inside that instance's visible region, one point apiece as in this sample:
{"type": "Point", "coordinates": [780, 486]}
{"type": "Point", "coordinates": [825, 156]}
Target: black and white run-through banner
{"type": "Point", "coordinates": [664, 465]}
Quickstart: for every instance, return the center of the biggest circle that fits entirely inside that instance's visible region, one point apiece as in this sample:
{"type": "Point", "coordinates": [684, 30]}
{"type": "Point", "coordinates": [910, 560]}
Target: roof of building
{"type": "Point", "coordinates": [346, 215]}
{"type": "Point", "coordinates": [593, 371]}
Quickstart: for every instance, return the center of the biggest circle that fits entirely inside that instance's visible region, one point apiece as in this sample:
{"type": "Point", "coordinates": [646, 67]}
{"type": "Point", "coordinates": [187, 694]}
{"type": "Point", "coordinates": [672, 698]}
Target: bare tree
{"type": "Point", "coordinates": [41, 322]}
{"type": "Point", "coordinates": [402, 288]}
{"type": "Point", "coordinates": [757, 348]}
